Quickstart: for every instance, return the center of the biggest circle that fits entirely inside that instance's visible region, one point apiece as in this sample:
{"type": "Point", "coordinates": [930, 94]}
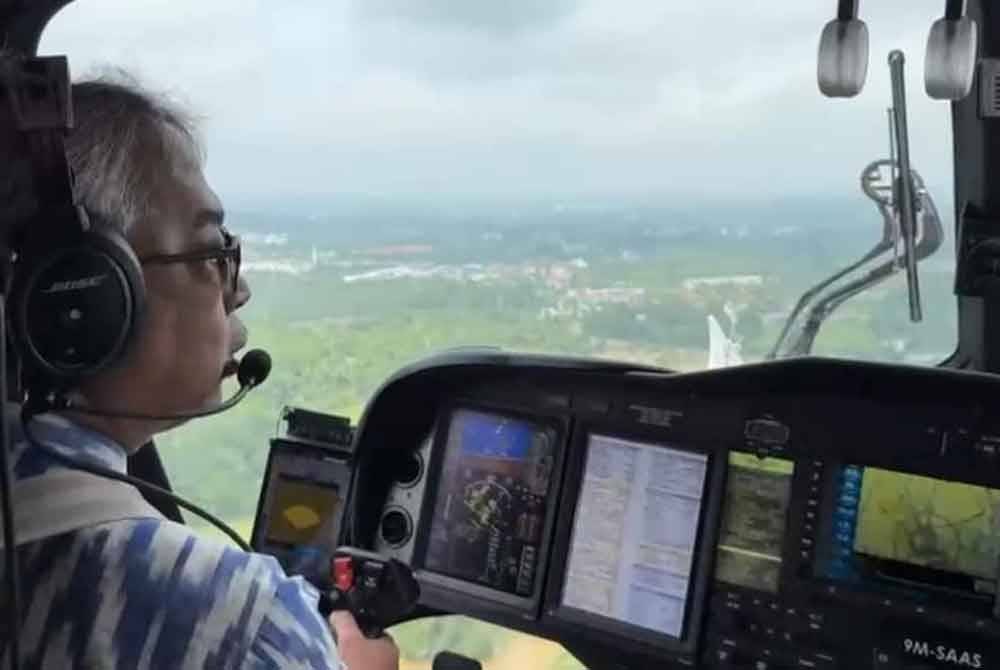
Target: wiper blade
{"type": "Point", "coordinates": [904, 184]}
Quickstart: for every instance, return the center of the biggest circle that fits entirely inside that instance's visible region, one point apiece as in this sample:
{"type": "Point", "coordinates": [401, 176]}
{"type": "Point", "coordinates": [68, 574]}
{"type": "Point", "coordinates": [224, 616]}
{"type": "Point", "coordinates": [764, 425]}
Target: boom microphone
{"type": "Point", "coordinates": [254, 368]}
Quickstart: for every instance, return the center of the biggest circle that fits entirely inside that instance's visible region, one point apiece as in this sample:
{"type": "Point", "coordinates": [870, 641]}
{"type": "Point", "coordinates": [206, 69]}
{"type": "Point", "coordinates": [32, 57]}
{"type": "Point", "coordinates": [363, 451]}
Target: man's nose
{"type": "Point", "coordinates": [241, 296]}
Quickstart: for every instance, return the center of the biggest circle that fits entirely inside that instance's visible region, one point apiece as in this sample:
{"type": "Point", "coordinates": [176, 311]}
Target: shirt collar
{"type": "Point", "coordinates": [67, 437]}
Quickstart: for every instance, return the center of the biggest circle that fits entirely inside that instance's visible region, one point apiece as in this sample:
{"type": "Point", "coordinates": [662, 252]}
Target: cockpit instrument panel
{"type": "Point", "coordinates": [755, 514]}
{"type": "Point", "coordinates": [496, 478]}
{"type": "Point", "coordinates": [301, 505]}
{"type": "Point", "coordinates": [633, 566]}
{"type": "Point", "coordinates": [893, 533]}
{"type": "Point", "coordinates": [632, 547]}
{"type": "Point", "coordinates": [808, 514]}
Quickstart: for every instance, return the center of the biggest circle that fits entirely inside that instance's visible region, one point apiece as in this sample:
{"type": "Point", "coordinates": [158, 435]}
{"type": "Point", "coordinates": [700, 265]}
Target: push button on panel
{"type": "Point", "coordinates": [746, 656]}
{"type": "Point", "coordinates": [767, 664]}
{"type": "Point", "coordinates": [721, 658]}
{"type": "Point", "coordinates": [396, 527]}
{"type": "Point", "coordinates": [343, 573]}
{"type": "Point", "coordinates": [410, 470]}
{"type": "Point", "coordinates": [767, 431]}
{"type": "Point", "coordinates": [882, 660]}
{"type": "Point", "coordinates": [371, 575]}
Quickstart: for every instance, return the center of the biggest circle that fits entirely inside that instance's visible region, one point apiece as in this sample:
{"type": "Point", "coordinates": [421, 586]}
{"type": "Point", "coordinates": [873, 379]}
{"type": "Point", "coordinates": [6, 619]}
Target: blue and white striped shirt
{"type": "Point", "coordinates": [151, 593]}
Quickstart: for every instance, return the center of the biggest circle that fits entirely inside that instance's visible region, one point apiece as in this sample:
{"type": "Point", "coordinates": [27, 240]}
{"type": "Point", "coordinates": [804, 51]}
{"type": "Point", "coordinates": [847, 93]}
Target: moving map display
{"type": "Point", "coordinates": [896, 526]}
{"type": "Point", "coordinates": [489, 517]}
{"type": "Point", "coordinates": [758, 492]}
{"type": "Point", "coordinates": [300, 516]}
{"type": "Point", "coordinates": [634, 533]}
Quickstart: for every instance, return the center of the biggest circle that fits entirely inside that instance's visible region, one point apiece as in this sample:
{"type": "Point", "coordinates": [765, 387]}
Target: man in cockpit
{"type": "Point", "coordinates": [146, 592]}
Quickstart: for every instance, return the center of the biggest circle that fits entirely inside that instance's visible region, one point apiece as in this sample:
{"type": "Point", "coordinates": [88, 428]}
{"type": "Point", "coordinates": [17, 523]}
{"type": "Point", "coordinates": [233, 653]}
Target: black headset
{"type": "Point", "coordinates": [75, 290]}
{"type": "Point", "coordinates": [77, 297]}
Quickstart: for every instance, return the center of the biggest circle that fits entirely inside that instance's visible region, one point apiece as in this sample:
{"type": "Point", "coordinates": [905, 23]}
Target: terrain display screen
{"type": "Point", "coordinates": [892, 529]}
{"type": "Point", "coordinates": [634, 533]}
{"type": "Point", "coordinates": [755, 513]}
{"type": "Point", "coordinates": [302, 506]}
{"type": "Point", "coordinates": [490, 515]}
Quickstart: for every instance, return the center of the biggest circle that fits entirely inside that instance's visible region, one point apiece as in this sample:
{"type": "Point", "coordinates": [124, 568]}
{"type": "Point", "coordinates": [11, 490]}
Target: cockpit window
{"type": "Point", "coordinates": [654, 182]}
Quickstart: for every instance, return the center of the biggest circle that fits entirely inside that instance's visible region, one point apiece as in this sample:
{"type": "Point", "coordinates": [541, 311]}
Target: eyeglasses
{"type": "Point", "coordinates": [227, 258]}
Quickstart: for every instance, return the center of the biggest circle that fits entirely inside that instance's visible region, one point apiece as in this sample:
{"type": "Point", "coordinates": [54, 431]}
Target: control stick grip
{"type": "Point", "coordinates": [377, 591]}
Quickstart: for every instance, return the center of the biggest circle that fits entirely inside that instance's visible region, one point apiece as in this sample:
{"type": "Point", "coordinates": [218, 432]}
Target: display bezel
{"type": "Point", "coordinates": [790, 536]}
{"type": "Point", "coordinates": [917, 592]}
{"type": "Point", "coordinates": [431, 579]}
{"type": "Point", "coordinates": [611, 630]}
{"type": "Point", "coordinates": [313, 452]}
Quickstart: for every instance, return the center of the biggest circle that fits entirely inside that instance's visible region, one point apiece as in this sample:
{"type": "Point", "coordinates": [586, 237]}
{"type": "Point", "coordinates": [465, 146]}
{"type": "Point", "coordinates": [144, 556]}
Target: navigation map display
{"type": "Point", "coordinates": [634, 533]}
{"type": "Point", "coordinates": [301, 510]}
{"type": "Point", "coordinates": [896, 527]}
{"type": "Point", "coordinates": [491, 510]}
{"type": "Point", "coordinates": [758, 492]}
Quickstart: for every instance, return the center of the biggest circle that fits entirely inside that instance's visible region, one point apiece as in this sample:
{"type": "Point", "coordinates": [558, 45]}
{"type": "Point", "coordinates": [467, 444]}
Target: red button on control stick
{"type": "Point", "coordinates": [343, 573]}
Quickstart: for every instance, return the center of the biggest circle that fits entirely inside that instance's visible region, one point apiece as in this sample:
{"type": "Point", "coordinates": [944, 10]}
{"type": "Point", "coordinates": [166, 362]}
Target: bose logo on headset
{"type": "Point", "coordinates": [76, 284]}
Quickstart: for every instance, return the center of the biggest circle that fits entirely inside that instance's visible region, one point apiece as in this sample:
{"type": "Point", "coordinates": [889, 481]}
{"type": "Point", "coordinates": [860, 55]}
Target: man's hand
{"type": "Point", "coordinates": [357, 651]}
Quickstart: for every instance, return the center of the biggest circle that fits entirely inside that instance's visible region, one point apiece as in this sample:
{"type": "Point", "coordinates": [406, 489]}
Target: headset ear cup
{"type": "Point", "coordinates": [76, 306]}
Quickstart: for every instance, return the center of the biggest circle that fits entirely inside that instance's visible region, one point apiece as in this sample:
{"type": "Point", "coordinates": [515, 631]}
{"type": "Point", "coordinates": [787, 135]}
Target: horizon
{"type": "Point", "coordinates": [848, 212]}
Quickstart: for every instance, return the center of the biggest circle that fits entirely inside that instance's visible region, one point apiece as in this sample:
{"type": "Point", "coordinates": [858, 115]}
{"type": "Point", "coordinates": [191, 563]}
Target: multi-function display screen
{"type": "Point", "coordinates": [634, 534]}
{"type": "Point", "coordinates": [758, 493]}
{"type": "Point", "coordinates": [301, 511]}
{"type": "Point", "coordinates": [491, 510]}
{"type": "Point", "coordinates": [890, 530]}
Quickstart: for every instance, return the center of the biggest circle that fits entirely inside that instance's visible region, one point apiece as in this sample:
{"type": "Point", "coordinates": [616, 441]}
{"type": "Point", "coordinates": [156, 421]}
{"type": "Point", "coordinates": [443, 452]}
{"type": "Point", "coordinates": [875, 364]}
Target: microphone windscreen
{"type": "Point", "coordinates": [254, 368]}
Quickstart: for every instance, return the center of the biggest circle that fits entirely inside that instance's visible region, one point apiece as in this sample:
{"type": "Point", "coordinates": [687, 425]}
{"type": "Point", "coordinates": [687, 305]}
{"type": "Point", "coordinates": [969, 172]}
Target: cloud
{"type": "Point", "coordinates": [505, 18]}
{"type": "Point", "coordinates": [452, 98]}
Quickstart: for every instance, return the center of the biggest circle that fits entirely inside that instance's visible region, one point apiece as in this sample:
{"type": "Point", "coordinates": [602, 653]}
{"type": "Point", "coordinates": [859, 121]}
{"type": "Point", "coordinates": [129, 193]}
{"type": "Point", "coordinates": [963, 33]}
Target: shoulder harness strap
{"type": "Point", "coordinates": [65, 500]}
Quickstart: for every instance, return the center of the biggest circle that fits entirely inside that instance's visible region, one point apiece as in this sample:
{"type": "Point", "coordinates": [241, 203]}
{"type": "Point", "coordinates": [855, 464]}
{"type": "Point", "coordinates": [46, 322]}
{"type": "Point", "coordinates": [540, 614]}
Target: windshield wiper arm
{"type": "Point", "coordinates": [882, 195]}
{"type": "Point", "coordinates": [930, 234]}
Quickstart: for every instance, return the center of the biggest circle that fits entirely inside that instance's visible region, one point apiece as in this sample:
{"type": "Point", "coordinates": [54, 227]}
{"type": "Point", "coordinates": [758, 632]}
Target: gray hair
{"type": "Point", "coordinates": [124, 140]}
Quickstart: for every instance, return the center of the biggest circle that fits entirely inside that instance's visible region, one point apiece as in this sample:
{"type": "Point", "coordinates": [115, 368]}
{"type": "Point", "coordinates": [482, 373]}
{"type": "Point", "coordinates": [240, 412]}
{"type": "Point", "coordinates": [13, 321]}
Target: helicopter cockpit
{"type": "Point", "coordinates": [790, 511]}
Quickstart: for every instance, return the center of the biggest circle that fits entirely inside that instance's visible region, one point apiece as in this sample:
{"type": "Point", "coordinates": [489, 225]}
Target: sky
{"type": "Point", "coordinates": [667, 99]}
